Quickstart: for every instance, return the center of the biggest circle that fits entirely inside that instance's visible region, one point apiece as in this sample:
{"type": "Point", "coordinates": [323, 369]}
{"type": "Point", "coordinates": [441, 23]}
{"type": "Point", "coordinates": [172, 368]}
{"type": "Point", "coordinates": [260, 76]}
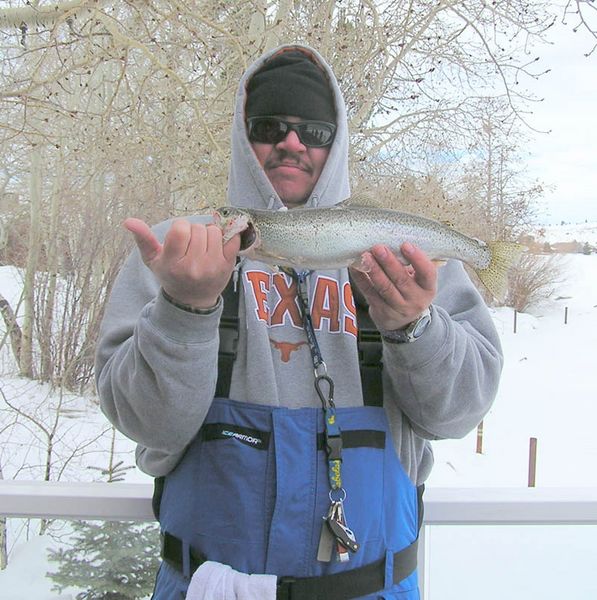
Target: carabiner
{"type": "Point", "coordinates": [330, 398]}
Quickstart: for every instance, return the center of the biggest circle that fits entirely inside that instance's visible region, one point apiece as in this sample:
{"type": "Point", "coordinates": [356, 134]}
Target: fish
{"type": "Point", "coordinates": [336, 237]}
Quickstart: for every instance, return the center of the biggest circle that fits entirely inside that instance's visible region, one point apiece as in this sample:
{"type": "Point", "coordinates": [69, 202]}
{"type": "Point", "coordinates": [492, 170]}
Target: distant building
{"type": "Point", "coordinates": [572, 247]}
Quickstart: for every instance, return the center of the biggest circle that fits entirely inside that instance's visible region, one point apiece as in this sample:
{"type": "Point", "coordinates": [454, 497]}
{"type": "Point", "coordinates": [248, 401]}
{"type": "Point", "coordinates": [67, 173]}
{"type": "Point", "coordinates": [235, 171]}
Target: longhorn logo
{"type": "Point", "coordinates": [286, 348]}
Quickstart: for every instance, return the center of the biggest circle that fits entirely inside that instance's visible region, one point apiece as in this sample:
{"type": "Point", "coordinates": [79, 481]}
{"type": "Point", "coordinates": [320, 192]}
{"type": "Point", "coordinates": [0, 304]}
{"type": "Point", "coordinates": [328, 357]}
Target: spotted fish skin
{"type": "Point", "coordinates": [329, 238]}
{"type": "Point", "coordinates": [319, 238]}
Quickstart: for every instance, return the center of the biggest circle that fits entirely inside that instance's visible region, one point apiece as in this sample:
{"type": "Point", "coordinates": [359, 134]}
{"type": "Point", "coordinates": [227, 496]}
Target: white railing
{"type": "Point", "coordinates": [443, 506]}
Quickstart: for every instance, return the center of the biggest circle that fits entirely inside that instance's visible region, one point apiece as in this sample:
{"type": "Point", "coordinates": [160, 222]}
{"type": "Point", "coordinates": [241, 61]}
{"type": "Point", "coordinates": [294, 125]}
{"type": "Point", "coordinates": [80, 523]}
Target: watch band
{"type": "Point", "coordinates": [188, 307]}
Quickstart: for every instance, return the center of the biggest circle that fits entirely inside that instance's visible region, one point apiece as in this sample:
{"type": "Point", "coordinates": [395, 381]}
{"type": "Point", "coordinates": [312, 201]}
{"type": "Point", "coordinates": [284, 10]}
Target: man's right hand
{"type": "Point", "coordinates": [193, 266]}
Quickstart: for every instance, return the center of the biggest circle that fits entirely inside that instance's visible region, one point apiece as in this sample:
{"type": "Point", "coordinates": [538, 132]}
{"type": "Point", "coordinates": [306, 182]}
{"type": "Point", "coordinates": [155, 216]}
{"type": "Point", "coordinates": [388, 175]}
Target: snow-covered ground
{"type": "Point", "coordinates": [568, 232]}
{"type": "Point", "coordinates": [548, 391]}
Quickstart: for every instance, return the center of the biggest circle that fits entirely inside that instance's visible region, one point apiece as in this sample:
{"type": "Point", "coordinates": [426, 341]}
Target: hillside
{"type": "Point", "coordinates": [579, 232]}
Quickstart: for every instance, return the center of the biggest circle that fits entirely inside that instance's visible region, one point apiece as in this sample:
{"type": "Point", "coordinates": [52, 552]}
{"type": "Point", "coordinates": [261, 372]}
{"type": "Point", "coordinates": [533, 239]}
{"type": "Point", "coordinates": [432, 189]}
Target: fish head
{"type": "Point", "coordinates": [233, 220]}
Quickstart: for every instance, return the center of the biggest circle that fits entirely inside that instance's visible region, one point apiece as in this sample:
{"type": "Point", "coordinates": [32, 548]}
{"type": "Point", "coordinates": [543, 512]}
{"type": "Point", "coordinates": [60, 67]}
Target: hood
{"type": "Point", "coordinates": [248, 185]}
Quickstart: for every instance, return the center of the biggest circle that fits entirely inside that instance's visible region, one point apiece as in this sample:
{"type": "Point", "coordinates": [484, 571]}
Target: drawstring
{"type": "Point", "coordinates": [271, 204]}
{"type": "Point", "coordinates": [236, 272]}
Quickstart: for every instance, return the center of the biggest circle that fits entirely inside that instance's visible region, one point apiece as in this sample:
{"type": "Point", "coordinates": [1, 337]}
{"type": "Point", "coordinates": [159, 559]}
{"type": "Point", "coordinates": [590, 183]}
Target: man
{"type": "Point", "coordinates": [290, 474]}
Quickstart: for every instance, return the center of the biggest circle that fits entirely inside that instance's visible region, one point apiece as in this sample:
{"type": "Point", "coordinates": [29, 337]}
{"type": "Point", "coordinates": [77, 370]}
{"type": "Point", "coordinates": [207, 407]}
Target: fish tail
{"type": "Point", "coordinates": [495, 276]}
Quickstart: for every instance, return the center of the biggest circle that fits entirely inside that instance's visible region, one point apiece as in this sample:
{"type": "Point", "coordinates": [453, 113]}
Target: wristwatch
{"type": "Point", "coordinates": [412, 331]}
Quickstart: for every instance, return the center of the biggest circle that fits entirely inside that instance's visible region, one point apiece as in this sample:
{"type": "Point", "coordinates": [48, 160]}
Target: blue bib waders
{"type": "Point", "coordinates": [252, 491]}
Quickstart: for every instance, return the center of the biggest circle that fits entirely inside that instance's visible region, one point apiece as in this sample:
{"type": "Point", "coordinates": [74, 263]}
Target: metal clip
{"type": "Point", "coordinates": [321, 369]}
{"type": "Point", "coordinates": [330, 398]}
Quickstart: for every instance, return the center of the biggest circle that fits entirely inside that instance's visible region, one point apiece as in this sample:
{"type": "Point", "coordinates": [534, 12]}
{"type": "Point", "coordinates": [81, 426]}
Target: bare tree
{"type": "Point", "coordinates": [13, 331]}
{"type": "Point", "coordinates": [55, 439]}
{"type": "Point", "coordinates": [156, 80]}
{"type": "Point", "coordinates": [128, 104]}
{"type": "Point", "coordinates": [493, 182]}
{"type": "Point", "coordinates": [584, 15]}
{"type": "Point", "coordinates": [533, 280]}
{"type": "Point", "coordinates": [3, 543]}
{"type": "Point", "coordinates": [26, 356]}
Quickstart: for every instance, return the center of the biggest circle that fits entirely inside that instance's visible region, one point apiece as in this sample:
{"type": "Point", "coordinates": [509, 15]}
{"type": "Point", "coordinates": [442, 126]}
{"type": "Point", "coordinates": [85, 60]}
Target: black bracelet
{"type": "Point", "coordinates": [188, 307]}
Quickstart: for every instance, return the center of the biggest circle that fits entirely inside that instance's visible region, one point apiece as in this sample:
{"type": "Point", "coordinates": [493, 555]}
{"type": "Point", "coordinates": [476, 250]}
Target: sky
{"type": "Point", "coordinates": [565, 158]}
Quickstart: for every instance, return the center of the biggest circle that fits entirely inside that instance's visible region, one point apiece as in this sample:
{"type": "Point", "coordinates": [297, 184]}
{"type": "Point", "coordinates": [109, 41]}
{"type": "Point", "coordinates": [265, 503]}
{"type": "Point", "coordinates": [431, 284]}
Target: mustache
{"type": "Point", "coordinates": [288, 158]}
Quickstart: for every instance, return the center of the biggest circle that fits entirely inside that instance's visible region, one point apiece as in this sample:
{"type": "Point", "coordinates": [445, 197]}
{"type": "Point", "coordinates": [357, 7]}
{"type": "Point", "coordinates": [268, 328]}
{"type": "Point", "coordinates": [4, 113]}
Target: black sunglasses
{"type": "Point", "coordinates": [272, 130]}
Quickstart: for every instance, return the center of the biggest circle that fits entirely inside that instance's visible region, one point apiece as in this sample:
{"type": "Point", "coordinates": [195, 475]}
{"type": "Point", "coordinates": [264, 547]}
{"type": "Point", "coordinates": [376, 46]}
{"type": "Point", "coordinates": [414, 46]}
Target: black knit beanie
{"type": "Point", "coordinates": [291, 84]}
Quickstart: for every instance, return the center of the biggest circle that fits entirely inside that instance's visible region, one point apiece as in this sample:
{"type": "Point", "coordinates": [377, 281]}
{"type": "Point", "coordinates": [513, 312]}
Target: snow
{"type": "Point", "coordinates": [547, 392]}
{"type": "Point", "coordinates": [568, 232]}
{"type": "Point", "coordinates": [25, 576]}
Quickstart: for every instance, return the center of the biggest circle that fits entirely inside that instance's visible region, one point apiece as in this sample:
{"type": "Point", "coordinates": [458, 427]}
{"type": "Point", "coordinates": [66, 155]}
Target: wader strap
{"type": "Point", "coordinates": [361, 581]}
{"type": "Point", "coordinates": [156, 499]}
{"type": "Point", "coordinates": [228, 340]}
{"type": "Point", "coordinates": [355, 583]}
{"type": "Point", "coordinates": [357, 438]}
{"type": "Point", "coordinates": [370, 354]}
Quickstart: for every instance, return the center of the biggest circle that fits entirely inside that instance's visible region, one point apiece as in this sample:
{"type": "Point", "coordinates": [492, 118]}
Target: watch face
{"type": "Point", "coordinates": [421, 325]}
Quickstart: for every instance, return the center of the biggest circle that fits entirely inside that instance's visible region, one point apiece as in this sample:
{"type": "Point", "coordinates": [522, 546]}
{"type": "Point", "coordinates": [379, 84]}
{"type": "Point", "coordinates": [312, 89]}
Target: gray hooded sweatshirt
{"type": "Point", "coordinates": [156, 364]}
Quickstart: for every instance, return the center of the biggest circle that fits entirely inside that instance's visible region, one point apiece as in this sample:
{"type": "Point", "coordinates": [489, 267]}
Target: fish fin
{"type": "Point", "coordinates": [360, 199]}
{"type": "Point", "coordinates": [347, 203]}
{"type": "Point", "coordinates": [439, 262]}
{"type": "Point", "coordinates": [360, 265]}
{"type": "Point", "coordinates": [495, 276]}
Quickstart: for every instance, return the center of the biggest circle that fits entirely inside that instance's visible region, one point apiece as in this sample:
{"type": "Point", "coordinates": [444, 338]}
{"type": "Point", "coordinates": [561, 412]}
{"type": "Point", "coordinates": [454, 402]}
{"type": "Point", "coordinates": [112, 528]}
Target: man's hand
{"type": "Point", "coordinates": [192, 265]}
{"type": "Point", "coordinates": [397, 294]}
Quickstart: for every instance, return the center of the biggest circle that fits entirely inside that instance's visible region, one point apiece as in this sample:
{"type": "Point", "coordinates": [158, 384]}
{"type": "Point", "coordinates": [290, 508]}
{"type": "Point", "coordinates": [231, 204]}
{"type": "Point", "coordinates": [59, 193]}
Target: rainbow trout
{"type": "Point", "coordinates": [330, 238]}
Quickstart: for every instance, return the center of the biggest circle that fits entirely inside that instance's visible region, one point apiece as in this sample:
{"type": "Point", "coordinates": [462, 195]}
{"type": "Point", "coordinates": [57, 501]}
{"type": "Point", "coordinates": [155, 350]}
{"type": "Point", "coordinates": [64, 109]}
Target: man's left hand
{"type": "Point", "coordinates": [397, 294]}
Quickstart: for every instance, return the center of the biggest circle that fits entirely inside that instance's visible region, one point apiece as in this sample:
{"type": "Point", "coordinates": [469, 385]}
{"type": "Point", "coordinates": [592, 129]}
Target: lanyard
{"type": "Point", "coordinates": [332, 434]}
{"type": "Point", "coordinates": [334, 532]}
{"type": "Point", "coordinates": [303, 298]}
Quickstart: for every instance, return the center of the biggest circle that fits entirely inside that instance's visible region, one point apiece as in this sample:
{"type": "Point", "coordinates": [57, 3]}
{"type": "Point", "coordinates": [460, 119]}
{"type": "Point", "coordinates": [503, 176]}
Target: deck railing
{"type": "Point", "coordinates": [443, 506]}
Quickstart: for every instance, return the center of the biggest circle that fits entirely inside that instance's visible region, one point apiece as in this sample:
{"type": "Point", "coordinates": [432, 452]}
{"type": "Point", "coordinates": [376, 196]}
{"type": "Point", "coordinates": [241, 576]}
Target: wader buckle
{"type": "Point", "coordinates": [333, 447]}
